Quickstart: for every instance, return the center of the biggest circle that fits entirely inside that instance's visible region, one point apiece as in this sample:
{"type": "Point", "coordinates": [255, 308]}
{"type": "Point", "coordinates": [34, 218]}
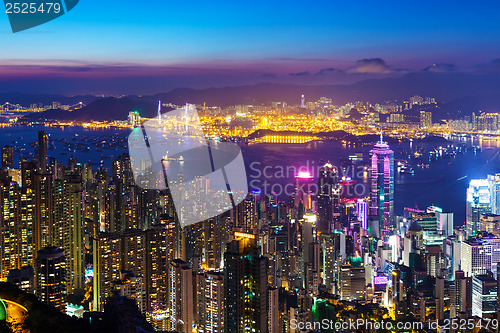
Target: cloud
{"type": "Point", "coordinates": [305, 73]}
{"type": "Point", "coordinates": [370, 66]}
{"type": "Point", "coordinates": [440, 68]}
{"type": "Point", "coordinates": [269, 75]}
{"type": "Point", "coordinates": [326, 71]}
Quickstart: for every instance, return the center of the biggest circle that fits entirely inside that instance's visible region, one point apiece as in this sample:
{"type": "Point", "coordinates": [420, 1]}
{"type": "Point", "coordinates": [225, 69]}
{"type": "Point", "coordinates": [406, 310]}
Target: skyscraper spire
{"type": "Point", "coordinates": [159, 108]}
{"type": "Point", "coordinates": [381, 136]}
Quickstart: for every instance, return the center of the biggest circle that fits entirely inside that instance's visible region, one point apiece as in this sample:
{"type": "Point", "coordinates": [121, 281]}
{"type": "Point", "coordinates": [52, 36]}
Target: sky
{"type": "Point", "coordinates": [152, 46]}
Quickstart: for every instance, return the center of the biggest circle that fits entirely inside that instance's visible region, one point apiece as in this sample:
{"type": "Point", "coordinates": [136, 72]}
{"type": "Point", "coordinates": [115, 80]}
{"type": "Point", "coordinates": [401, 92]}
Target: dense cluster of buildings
{"type": "Point", "coordinates": [76, 236]}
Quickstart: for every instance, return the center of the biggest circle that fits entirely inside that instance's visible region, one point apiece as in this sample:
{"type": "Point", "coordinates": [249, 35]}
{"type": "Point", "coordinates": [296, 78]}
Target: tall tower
{"type": "Point", "coordinates": [303, 101]}
{"type": "Point", "coordinates": [327, 196]}
{"type": "Point", "coordinates": [7, 157]}
{"type": "Point", "coordinates": [51, 276]}
{"type": "Point", "coordinates": [43, 151]}
{"type": "Point", "coordinates": [382, 187]}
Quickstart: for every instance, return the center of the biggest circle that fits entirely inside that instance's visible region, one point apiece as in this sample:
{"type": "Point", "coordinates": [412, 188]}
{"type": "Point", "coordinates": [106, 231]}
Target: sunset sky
{"type": "Point", "coordinates": [161, 45]}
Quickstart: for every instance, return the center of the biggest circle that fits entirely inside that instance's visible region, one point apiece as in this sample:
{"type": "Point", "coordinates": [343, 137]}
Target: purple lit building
{"type": "Point", "coordinates": [382, 188]}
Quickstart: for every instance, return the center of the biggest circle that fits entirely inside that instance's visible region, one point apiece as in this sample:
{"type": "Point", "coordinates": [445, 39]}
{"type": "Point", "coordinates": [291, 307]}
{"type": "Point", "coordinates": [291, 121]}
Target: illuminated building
{"type": "Point", "coordinates": [67, 229]}
{"type": "Point", "coordinates": [425, 119]}
{"type": "Point", "coordinates": [303, 193]}
{"type": "Point", "coordinates": [43, 188]}
{"type": "Point", "coordinates": [134, 118]}
{"type": "Point", "coordinates": [157, 263]}
{"type": "Point", "coordinates": [327, 196]}
{"type": "Point", "coordinates": [131, 286]}
{"type": "Point", "coordinates": [461, 295]}
{"type": "Point", "coordinates": [245, 286]}
{"type": "Point", "coordinates": [16, 228]}
{"type": "Point", "coordinates": [43, 151]}
{"type": "Point", "coordinates": [484, 296]}
{"type": "Point", "coordinates": [382, 187]}
{"type": "Point", "coordinates": [51, 277]}
{"type": "Point", "coordinates": [478, 202]}
{"type": "Point", "coordinates": [210, 307]}
{"type": "Point", "coordinates": [490, 223]}
{"type": "Point", "coordinates": [479, 256]}
{"type": "Point", "coordinates": [7, 157]}
{"type": "Point", "coordinates": [114, 253]}
{"type": "Point", "coordinates": [23, 277]}
{"type": "Point", "coordinates": [273, 317]}
{"type": "Point", "coordinates": [352, 280]}
{"type": "Point", "coordinates": [180, 301]}
{"type": "Point", "coordinates": [494, 186]}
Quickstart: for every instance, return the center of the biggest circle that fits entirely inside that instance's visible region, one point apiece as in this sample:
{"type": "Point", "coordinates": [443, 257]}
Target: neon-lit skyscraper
{"type": "Point", "coordinates": [478, 202]}
{"type": "Point", "coordinates": [382, 186]}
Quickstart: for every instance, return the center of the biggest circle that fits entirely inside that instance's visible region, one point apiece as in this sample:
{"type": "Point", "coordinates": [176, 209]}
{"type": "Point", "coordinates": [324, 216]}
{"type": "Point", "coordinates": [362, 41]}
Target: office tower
{"type": "Point", "coordinates": [16, 228]}
{"type": "Point", "coordinates": [445, 223]}
{"type": "Point", "coordinates": [303, 192]}
{"type": "Point", "coordinates": [213, 241]}
{"type": "Point", "coordinates": [382, 187]}
{"type": "Point", "coordinates": [157, 242]}
{"type": "Point", "coordinates": [490, 223]}
{"type": "Point", "coordinates": [308, 234]}
{"type": "Point", "coordinates": [245, 286]}
{"type": "Point", "coordinates": [67, 227]}
{"type": "Point", "coordinates": [484, 296]}
{"type": "Point", "coordinates": [362, 213]}
{"type": "Point", "coordinates": [478, 202]}
{"type": "Point", "coordinates": [43, 151]}
{"type": "Point", "coordinates": [210, 302]}
{"type": "Point", "coordinates": [23, 277]}
{"type": "Point", "coordinates": [428, 221]}
{"type": "Point", "coordinates": [478, 256]}
{"type": "Point", "coordinates": [425, 119]}
{"type": "Point", "coordinates": [461, 295]}
{"type": "Point", "coordinates": [440, 286]}
{"type": "Point", "coordinates": [180, 301]}
{"type": "Point", "coordinates": [327, 185]}
{"type": "Point", "coordinates": [352, 280]}
{"type": "Point", "coordinates": [51, 277]}
{"type": "Point", "coordinates": [7, 157]}
{"type": "Point", "coordinates": [43, 187]}
{"type": "Point", "coordinates": [494, 187]}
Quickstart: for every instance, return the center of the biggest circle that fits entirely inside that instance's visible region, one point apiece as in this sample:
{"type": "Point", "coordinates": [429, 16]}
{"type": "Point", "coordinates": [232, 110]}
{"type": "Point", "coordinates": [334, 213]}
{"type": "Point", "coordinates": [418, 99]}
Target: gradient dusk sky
{"type": "Point", "coordinates": [164, 44]}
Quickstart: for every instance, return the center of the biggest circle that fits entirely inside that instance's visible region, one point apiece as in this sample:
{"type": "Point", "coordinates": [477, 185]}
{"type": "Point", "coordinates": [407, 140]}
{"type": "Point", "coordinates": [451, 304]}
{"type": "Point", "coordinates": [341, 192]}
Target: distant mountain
{"type": "Point", "coordinates": [109, 108]}
{"type": "Point", "coordinates": [459, 94]}
{"type": "Point", "coordinates": [45, 99]}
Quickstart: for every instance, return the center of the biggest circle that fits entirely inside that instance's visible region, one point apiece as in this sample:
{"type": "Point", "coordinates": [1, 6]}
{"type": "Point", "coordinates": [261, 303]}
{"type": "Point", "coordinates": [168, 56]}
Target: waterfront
{"type": "Point", "coordinates": [443, 183]}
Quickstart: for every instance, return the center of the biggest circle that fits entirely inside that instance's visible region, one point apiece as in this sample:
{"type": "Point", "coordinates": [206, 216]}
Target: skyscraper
{"type": "Point", "coordinates": [382, 187]}
{"type": "Point", "coordinates": [478, 202]}
{"type": "Point", "coordinates": [180, 301]}
{"type": "Point", "coordinates": [51, 277]}
{"type": "Point", "coordinates": [245, 286]}
{"type": "Point", "coordinates": [210, 296]}
{"type": "Point", "coordinates": [43, 151]}
{"type": "Point", "coordinates": [327, 196]}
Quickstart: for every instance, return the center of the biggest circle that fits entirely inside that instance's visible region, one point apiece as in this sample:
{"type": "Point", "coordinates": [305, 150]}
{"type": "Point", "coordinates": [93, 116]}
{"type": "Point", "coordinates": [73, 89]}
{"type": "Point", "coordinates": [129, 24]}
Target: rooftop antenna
{"type": "Point", "coordinates": [381, 136]}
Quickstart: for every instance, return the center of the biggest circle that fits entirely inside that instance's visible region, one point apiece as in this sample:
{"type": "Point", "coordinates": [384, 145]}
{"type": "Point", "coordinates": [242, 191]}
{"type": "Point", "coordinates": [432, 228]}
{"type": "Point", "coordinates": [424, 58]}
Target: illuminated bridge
{"type": "Point", "coordinates": [285, 139]}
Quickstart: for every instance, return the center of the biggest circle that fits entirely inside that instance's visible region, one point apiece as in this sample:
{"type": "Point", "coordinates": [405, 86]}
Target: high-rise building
{"type": "Point", "coordinates": [43, 188]}
{"type": "Point", "coordinates": [478, 202]}
{"type": "Point", "coordinates": [274, 311]}
{"type": "Point", "coordinates": [210, 302]}
{"type": "Point", "coordinates": [326, 201]}
{"type": "Point", "coordinates": [480, 255]}
{"type": "Point", "coordinates": [51, 277]}
{"type": "Point", "coordinates": [67, 231]}
{"type": "Point", "coordinates": [7, 157]}
{"type": "Point", "coordinates": [245, 286]}
{"type": "Point", "coordinates": [382, 187]}
{"type": "Point", "coordinates": [490, 223]}
{"type": "Point", "coordinates": [180, 301]}
{"type": "Point", "coordinates": [16, 228]}
{"type": "Point", "coordinates": [352, 280]}
{"type": "Point", "coordinates": [43, 151]}
{"type": "Point", "coordinates": [484, 296]}
{"type": "Point", "coordinates": [425, 119]}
